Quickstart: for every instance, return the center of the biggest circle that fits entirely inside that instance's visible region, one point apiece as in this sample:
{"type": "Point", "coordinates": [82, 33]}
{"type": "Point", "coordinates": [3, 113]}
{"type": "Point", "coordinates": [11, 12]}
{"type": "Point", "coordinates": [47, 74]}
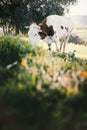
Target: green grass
{"type": "Point", "coordinates": [81, 50]}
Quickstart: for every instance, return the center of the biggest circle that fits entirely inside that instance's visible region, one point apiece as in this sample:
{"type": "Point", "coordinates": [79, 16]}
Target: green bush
{"type": "Point", "coordinates": [77, 40]}
{"type": "Point", "coordinates": [12, 49]}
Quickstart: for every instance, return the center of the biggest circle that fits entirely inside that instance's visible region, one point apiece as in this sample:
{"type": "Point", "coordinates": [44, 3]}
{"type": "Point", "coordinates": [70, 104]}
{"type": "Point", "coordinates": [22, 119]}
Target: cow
{"type": "Point", "coordinates": [53, 28]}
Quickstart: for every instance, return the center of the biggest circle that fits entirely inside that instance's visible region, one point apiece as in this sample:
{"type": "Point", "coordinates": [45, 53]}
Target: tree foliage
{"type": "Point", "coordinates": [20, 12]}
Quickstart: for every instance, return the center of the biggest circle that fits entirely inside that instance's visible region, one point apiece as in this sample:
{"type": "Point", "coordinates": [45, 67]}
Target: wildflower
{"type": "Point", "coordinates": [51, 69]}
{"type": "Point", "coordinates": [35, 51]}
{"type": "Point", "coordinates": [34, 78]}
{"type": "Point", "coordinates": [41, 50]}
{"type": "Point", "coordinates": [30, 57]}
{"type": "Point", "coordinates": [20, 86]}
{"type": "Point", "coordinates": [23, 63]}
{"type": "Point", "coordinates": [69, 91]}
{"type": "Point", "coordinates": [34, 75]}
{"type": "Point", "coordinates": [84, 74]}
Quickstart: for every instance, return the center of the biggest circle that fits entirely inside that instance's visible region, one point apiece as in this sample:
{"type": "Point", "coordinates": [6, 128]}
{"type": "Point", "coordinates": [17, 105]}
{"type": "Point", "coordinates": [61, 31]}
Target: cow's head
{"type": "Point", "coordinates": [35, 34]}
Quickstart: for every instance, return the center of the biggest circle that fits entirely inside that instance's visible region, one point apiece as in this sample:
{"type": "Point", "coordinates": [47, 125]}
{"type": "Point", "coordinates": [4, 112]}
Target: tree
{"type": "Point", "coordinates": [18, 13]}
{"type": "Point", "coordinates": [13, 11]}
{"type": "Point", "coordinates": [38, 9]}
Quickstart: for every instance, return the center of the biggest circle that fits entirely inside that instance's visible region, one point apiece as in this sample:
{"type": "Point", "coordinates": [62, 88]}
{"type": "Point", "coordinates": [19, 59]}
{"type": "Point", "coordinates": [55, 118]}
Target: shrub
{"type": "Point", "coordinates": [77, 40]}
{"type": "Point", "coordinates": [12, 49]}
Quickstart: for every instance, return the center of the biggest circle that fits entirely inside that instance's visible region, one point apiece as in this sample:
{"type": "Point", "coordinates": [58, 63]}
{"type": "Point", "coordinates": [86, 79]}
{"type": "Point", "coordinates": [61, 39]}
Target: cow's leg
{"type": "Point", "coordinates": [65, 41]}
{"type": "Point", "coordinates": [57, 45]}
{"type": "Point", "coordinates": [64, 46]}
{"type": "Point", "coordinates": [49, 46]}
{"type": "Point", "coordinates": [57, 41]}
{"type": "Point", "coordinates": [61, 44]}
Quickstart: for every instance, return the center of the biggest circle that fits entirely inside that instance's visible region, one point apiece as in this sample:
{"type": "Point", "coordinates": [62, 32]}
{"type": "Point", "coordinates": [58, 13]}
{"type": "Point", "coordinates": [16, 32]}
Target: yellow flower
{"type": "Point", "coordinates": [35, 51]}
{"type": "Point", "coordinates": [23, 63]}
{"type": "Point", "coordinates": [84, 74]}
{"type": "Point", "coordinates": [51, 69]}
{"type": "Point", "coordinates": [45, 55]}
{"type": "Point", "coordinates": [69, 92]}
{"type": "Point", "coordinates": [34, 75]}
{"type": "Point", "coordinates": [34, 78]}
{"type": "Point", "coordinates": [41, 50]}
{"type": "Point", "coordinates": [20, 86]}
{"type": "Point", "coordinates": [30, 57]}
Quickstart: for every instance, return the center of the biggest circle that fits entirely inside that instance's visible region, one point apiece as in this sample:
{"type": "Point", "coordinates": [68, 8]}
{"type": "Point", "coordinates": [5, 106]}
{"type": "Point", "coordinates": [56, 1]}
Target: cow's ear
{"type": "Point", "coordinates": [42, 34]}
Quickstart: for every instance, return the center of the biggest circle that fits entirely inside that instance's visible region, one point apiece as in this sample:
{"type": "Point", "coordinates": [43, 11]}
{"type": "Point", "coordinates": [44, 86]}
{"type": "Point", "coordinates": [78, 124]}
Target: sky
{"type": "Point", "coordinates": [79, 8]}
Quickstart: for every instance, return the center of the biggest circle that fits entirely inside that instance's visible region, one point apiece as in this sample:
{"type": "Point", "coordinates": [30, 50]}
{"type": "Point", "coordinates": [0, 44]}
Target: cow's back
{"type": "Point", "coordinates": [59, 22]}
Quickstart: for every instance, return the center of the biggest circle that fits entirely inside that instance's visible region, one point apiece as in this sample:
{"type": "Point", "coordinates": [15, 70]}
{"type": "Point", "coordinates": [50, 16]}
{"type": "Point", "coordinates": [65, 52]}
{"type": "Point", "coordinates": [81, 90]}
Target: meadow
{"type": "Point", "coordinates": [79, 44]}
{"type": "Point", "coordinates": [42, 90]}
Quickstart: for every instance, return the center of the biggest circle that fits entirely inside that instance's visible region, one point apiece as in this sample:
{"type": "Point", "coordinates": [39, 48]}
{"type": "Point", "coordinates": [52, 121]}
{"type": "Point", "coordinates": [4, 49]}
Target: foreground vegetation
{"type": "Point", "coordinates": [41, 90]}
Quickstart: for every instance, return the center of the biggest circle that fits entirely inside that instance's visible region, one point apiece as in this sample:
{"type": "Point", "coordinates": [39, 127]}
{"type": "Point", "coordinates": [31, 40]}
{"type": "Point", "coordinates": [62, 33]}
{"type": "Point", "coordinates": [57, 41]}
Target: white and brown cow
{"type": "Point", "coordinates": [54, 28]}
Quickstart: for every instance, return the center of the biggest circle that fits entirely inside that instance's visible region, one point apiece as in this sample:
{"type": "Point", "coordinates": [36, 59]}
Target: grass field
{"type": "Point", "coordinates": [81, 32]}
{"type": "Point", "coordinates": [81, 50]}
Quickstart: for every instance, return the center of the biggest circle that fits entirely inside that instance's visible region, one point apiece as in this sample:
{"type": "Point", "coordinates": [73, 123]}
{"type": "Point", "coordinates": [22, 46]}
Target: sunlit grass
{"type": "Point", "coordinates": [81, 32]}
{"type": "Point", "coordinates": [81, 50]}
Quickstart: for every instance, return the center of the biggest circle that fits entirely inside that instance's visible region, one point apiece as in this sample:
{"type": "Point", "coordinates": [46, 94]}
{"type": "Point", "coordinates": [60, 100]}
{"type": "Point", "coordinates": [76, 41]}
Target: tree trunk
{"type": "Point", "coordinates": [17, 30]}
